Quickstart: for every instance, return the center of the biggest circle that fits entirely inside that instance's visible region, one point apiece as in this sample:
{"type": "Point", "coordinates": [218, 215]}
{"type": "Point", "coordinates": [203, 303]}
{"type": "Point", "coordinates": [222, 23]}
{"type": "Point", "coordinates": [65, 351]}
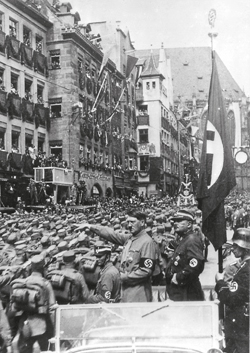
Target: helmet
{"type": "Point", "coordinates": [102, 248]}
{"type": "Point", "coordinates": [241, 237]}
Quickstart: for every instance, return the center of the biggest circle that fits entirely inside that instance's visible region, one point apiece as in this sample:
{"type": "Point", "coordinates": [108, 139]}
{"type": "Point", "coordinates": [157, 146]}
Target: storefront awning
{"type": "Point", "coordinates": [132, 150]}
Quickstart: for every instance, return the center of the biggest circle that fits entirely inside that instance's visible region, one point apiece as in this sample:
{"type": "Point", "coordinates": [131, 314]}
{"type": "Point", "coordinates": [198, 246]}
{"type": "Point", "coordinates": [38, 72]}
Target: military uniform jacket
{"type": "Point", "coordinates": [108, 286]}
{"type": "Point", "coordinates": [187, 263]}
{"type": "Point", "coordinates": [81, 291]}
{"type": "Point", "coordinates": [235, 295]}
{"type": "Point", "coordinates": [40, 323]}
{"type": "Point", "coordinates": [137, 263]}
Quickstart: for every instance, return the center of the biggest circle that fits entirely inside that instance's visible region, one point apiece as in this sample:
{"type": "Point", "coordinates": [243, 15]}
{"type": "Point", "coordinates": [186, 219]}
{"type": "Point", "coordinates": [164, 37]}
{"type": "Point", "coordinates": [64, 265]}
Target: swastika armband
{"type": "Point", "coordinates": [233, 287]}
{"type": "Point", "coordinates": [193, 262]}
{"type": "Point", "coordinates": [107, 294]}
{"type": "Point", "coordinates": [146, 263]}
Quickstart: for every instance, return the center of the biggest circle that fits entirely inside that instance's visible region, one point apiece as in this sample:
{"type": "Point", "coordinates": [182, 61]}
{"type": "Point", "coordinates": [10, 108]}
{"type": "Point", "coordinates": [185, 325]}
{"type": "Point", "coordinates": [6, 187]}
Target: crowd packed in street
{"type": "Point", "coordinates": [118, 250]}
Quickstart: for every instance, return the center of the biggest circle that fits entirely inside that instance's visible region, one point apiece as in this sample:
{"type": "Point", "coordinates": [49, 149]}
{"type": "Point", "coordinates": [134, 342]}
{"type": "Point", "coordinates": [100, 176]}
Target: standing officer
{"type": "Point", "coordinates": [137, 259]}
{"type": "Point", "coordinates": [109, 283]}
{"type": "Point", "coordinates": [235, 295]}
{"type": "Point", "coordinates": [187, 262]}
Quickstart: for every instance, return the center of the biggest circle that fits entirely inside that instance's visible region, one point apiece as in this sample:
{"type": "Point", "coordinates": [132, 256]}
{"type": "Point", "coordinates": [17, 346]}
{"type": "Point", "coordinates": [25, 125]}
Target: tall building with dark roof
{"type": "Point", "coordinates": [160, 145]}
{"type": "Point", "coordinates": [190, 74]}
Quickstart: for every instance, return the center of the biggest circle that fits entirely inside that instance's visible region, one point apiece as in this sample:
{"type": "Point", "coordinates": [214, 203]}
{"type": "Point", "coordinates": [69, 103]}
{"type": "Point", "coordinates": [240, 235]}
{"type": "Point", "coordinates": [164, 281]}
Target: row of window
{"type": "Point", "coordinates": [104, 157]}
{"type": "Point", "coordinates": [16, 141]}
{"type": "Point", "coordinates": [23, 34]}
{"type": "Point", "coordinates": [168, 139]}
{"type": "Point", "coordinates": [16, 86]}
{"type": "Point", "coordinates": [169, 166]}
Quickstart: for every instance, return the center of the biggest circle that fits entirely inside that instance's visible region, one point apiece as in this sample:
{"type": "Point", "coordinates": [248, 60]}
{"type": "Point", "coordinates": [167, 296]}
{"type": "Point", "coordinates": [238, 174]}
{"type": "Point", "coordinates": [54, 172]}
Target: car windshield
{"type": "Point", "coordinates": [183, 324]}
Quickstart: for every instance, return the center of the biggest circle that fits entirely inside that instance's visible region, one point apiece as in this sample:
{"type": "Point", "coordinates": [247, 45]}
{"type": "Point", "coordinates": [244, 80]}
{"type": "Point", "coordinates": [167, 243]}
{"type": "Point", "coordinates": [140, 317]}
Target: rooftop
{"type": "Point", "coordinates": [191, 72]}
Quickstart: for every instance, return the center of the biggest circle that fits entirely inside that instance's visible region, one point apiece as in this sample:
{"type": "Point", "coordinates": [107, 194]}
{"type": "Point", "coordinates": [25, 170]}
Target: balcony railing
{"type": "Point", "coordinates": [54, 175]}
{"type": "Point", "coordinates": [143, 119]}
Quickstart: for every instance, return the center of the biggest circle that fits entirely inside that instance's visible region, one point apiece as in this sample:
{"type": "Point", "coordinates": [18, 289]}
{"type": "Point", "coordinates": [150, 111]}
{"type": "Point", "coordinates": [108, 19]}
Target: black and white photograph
{"type": "Point", "coordinates": [124, 176]}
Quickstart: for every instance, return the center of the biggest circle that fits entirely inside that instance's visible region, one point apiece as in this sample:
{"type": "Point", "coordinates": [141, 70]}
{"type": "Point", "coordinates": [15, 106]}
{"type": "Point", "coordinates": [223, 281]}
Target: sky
{"type": "Point", "coordinates": [181, 23]}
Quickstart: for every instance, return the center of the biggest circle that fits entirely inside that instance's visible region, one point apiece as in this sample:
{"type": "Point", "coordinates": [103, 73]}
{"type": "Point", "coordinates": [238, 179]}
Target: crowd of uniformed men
{"type": "Point", "coordinates": [115, 252]}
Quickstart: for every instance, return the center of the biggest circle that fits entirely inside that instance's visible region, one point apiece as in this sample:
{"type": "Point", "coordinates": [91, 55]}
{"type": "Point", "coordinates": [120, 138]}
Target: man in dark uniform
{"type": "Point", "coordinates": [187, 262]}
{"type": "Point", "coordinates": [76, 291]}
{"type": "Point", "coordinates": [37, 326]}
{"type": "Point", "coordinates": [109, 283]}
{"type": "Point", "coordinates": [137, 259]}
{"type": "Point", "coordinates": [235, 295]}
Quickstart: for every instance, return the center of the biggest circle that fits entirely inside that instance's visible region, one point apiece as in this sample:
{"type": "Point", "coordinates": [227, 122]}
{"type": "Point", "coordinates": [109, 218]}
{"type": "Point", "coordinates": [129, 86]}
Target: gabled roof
{"type": "Point", "coordinates": [191, 70]}
{"type": "Point", "coordinates": [151, 69]}
{"type": "Point", "coordinates": [191, 73]}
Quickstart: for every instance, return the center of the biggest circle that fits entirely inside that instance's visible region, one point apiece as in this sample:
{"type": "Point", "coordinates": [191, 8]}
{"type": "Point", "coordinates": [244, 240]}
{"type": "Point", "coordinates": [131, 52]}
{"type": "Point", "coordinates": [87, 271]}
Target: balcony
{"type": "Point", "coordinates": [143, 119]}
{"type": "Point", "coordinates": [54, 175]}
{"type": "Point", "coordinates": [12, 47]}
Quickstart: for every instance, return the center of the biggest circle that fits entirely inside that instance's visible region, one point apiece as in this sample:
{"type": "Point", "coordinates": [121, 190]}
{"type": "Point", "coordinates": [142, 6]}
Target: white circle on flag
{"type": "Point", "coordinates": [215, 148]}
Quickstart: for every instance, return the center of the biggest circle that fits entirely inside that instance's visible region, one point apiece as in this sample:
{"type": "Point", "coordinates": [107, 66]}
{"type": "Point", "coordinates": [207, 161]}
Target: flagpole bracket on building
{"type": "Point", "coordinates": [241, 154]}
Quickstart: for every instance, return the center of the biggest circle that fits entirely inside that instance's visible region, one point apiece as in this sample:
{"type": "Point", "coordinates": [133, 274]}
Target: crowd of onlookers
{"type": "Point", "coordinates": [128, 249]}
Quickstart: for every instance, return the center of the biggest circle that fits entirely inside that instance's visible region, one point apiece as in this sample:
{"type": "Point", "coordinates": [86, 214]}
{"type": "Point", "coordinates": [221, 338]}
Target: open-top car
{"type": "Point", "coordinates": [171, 327]}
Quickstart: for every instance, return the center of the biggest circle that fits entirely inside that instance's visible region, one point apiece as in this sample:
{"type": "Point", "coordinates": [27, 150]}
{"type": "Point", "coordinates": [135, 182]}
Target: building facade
{"type": "Point", "coordinates": [160, 143]}
{"type": "Point", "coordinates": [117, 43]}
{"type": "Point", "coordinates": [23, 94]}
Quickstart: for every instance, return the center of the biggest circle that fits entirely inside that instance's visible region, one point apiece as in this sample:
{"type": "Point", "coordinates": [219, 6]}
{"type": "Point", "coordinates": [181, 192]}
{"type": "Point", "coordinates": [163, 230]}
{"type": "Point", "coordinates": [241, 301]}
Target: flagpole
{"type": "Point", "coordinates": [98, 94]}
{"type": "Point", "coordinates": [113, 112]}
{"type": "Point", "coordinates": [213, 35]}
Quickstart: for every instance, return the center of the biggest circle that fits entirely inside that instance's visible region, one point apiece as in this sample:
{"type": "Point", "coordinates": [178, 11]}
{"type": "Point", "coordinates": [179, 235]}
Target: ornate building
{"type": "Point", "coordinates": [161, 137]}
{"type": "Point", "coordinates": [23, 94]}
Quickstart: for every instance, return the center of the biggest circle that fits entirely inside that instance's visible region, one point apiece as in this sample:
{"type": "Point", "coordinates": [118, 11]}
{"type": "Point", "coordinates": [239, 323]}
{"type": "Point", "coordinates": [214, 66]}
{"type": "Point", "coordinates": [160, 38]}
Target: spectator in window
{"type": "Point", "coordinates": [40, 100]}
{"type": "Point", "coordinates": [13, 89]}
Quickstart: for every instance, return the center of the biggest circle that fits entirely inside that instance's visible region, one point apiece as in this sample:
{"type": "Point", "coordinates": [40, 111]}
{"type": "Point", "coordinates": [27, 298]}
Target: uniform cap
{"type": "Point", "coordinates": [62, 246]}
{"type": "Point", "coordinates": [183, 215]}
{"type": "Point", "coordinates": [160, 229]}
{"type": "Point", "coordinates": [69, 256]}
{"type": "Point", "coordinates": [44, 240]}
{"type": "Point", "coordinates": [168, 226]}
{"type": "Point", "coordinates": [21, 248]}
{"type": "Point", "coordinates": [101, 248]}
{"type": "Point", "coordinates": [2, 231]}
{"type": "Point", "coordinates": [20, 242]}
{"type": "Point", "coordinates": [12, 238]}
{"type": "Point", "coordinates": [52, 233]}
{"type": "Point", "coordinates": [61, 232]}
{"type": "Point", "coordinates": [53, 250]}
{"type": "Point", "coordinates": [37, 262]}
